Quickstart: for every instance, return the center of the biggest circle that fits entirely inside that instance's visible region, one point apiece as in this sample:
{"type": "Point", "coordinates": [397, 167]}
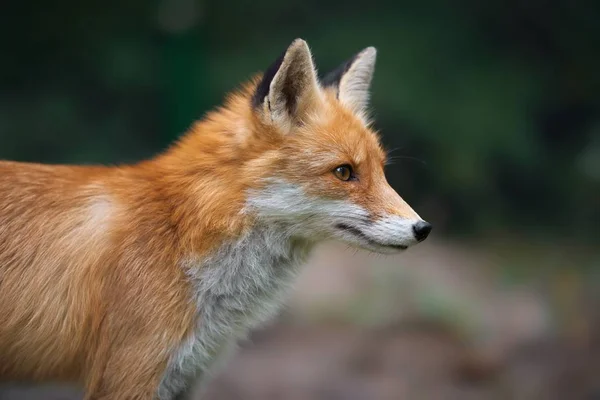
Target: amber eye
{"type": "Point", "coordinates": [344, 172]}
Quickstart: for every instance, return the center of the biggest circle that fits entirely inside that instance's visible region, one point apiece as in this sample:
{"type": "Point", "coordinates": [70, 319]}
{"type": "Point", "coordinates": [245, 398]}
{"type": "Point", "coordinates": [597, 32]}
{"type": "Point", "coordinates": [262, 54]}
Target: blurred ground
{"type": "Point", "coordinates": [439, 322]}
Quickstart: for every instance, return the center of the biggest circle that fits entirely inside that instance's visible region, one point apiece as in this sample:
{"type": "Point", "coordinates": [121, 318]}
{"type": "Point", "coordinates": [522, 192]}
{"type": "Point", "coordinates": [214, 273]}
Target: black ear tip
{"type": "Point", "coordinates": [333, 78]}
{"type": "Point", "coordinates": [262, 90]}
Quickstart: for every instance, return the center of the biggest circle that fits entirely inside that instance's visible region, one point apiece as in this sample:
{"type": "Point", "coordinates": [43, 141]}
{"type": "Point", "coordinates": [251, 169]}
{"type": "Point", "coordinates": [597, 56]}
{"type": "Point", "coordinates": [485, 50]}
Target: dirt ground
{"type": "Point", "coordinates": [417, 361]}
{"type": "Point", "coordinates": [405, 362]}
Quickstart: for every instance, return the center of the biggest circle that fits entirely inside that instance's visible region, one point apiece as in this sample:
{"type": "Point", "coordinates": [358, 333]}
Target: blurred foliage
{"type": "Point", "coordinates": [492, 108]}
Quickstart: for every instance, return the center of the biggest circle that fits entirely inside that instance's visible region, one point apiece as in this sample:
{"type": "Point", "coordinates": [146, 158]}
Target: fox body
{"type": "Point", "coordinates": [136, 280]}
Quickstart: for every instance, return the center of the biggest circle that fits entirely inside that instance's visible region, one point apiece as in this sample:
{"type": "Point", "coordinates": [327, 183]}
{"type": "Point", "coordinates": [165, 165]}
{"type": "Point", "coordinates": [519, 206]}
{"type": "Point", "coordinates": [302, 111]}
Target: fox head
{"type": "Point", "coordinates": [298, 154]}
{"type": "Point", "coordinates": [323, 176]}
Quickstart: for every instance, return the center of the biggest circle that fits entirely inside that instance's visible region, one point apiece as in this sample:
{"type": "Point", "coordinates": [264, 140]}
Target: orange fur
{"type": "Point", "coordinates": [90, 283]}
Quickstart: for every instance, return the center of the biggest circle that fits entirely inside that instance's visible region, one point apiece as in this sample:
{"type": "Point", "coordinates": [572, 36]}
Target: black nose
{"type": "Point", "coordinates": [421, 230]}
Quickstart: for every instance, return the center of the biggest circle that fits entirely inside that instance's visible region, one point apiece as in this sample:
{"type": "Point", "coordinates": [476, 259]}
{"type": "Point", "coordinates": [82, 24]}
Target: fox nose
{"type": "Point", "coordinates": [421, 230]}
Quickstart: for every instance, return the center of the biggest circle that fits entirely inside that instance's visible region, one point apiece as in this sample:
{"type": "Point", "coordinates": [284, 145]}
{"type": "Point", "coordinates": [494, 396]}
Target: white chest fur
{"type": "Point", "coordinates": [236, 288]}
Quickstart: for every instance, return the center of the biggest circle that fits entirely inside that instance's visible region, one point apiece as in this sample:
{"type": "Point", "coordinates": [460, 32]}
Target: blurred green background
{"type": "Point", "coordinates": [492, 109]}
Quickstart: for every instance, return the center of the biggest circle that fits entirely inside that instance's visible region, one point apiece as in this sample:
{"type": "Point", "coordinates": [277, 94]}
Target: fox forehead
{"type": "Point", "coordinates": [336, 135]}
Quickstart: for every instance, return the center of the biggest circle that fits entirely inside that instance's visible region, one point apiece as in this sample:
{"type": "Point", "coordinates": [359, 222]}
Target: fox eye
{"type": "Point", "coordinates": [344, 172]}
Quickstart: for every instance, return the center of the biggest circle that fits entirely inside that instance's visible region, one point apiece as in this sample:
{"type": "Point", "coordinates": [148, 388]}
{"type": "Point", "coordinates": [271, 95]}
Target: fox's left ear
{"type": "Point", "coordinates": [352, 80]}
{"type": "Point", "coordinates": [289, 89]}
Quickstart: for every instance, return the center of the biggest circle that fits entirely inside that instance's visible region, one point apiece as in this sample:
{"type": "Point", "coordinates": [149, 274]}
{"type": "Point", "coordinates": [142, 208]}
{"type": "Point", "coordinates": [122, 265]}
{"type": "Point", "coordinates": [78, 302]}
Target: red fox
{"type": "Point", "coordinates": [136, 280]}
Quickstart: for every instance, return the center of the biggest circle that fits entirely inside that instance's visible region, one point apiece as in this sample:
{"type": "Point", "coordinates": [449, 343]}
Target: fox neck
{"type": "Point", "coordinates": [243, 268]}
{"type": "Point", "coordinates": [235, 288]}
{"type": "Point", "coordinates": [205, 177]}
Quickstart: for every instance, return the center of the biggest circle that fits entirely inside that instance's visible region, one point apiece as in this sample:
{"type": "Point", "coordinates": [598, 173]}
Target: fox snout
{"type": "Point", "coordinates": [420, 228]}
{"type": "Point", "coordinates": [387, 234]}
{"type": "Point", "coordinates": [398, 224]}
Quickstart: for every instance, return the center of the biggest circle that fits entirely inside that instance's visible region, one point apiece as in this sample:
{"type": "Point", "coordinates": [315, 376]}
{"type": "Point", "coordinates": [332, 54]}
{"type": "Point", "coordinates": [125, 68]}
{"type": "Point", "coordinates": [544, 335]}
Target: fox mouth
{"type": "Point", "coordinates": [360, 234]}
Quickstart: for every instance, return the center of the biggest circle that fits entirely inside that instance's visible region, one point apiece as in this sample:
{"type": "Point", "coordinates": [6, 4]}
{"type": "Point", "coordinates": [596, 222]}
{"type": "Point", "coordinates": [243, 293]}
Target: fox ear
{"type": "Point", "coordinates": [352, 80]}
{"type": "Point", "coordinates": [289, 89]}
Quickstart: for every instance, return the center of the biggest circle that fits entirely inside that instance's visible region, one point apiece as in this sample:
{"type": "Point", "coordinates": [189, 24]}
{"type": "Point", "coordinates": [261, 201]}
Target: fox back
{"type": "Point", "coordinates": [137, 280]}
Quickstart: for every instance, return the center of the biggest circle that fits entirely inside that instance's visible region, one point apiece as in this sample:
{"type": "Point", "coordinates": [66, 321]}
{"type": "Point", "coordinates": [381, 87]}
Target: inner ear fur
{"type": "Point", "coordinates": [289, 87]}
